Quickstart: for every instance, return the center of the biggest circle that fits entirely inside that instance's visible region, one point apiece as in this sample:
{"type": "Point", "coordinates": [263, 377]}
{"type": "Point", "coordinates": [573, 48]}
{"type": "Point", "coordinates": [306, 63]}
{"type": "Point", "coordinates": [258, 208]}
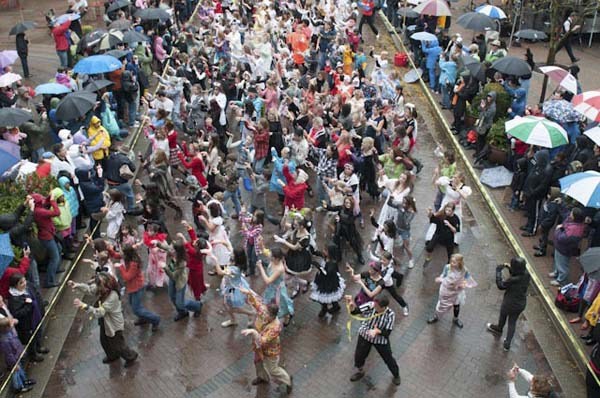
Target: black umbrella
{"type": "Point", "coordinates": [22, 27]}
{"type": "Point", "coordinates": [75, 105]}
{"type": "Point", "coordinates": [152, 14]}
{"type": "Point", "coordinates": [117, 53]}
{"type": "Point", "coordinates": [512, 66]}
{"type": "Point", "coordinates": [110, 40]}
{"type": "Point", "coordinates": [97, 85]}
{"type": "Point", "coordinates": [133, 36]}
{"type": "Point", "coordinates": [90, 39]}
{"type": "Point", "coordinates": [407, 12]}
{"type": "Point", "coordinates": [477, 70]}
{"type": "Point", "coordinates": [117, 5]}
{"type": "Point", "coordinates": [476, 21]}
{"type": "Point", "coordinates": [531, 34]}
{"type": "Point", "coordinates": [13, 116]}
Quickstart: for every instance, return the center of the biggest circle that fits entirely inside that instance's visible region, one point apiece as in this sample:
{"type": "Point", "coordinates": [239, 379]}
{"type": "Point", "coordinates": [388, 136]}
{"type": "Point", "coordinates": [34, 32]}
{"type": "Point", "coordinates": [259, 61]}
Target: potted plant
{"type": "Point", "coordinates": [503, 101]}
{"type": "Point", "coordinates": [498, 142]}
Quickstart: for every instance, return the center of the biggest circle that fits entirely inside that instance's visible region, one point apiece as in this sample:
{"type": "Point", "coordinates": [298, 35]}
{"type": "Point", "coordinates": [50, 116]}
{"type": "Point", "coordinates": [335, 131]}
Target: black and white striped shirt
{"type": "Point", "coordinates": [384, 322]}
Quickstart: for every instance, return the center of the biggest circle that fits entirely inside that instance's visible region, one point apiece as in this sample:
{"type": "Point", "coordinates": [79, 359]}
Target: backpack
{"type": "Point", "coordinates": [567, 298]}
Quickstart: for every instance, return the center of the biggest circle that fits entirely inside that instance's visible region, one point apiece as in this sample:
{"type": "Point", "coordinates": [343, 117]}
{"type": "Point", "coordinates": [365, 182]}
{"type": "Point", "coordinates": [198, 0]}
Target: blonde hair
{"type": "Point", "coordinates": [367, 144]}
{"type": "Point", "coordinates": [460, 261]}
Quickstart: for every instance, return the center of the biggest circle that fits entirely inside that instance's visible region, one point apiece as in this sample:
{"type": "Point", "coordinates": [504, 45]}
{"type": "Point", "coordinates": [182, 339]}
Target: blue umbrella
{"type": "Point", "coordinates": [66, 17]}
{"type": "Point", "coordinates": [7, 161]}
{"type": "Point", "coordinates": [583, 187]}
{"type": "Point", "coordinates": [491, 11]}
{"type": "Point", "coordinates": [97, 64]}
{"type": "Point", "coordinates": [52, 88]}
{"type": "Point", "coordinates": [6, 252]}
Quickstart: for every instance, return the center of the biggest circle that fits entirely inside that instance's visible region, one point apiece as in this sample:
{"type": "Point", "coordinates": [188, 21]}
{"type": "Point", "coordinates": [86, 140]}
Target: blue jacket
{"type": "Point", "coordinates": [91, 188]}
{"type": "Point", "coordinates": [448, 74]}
{"type": "Point", "coordinates": [70, 196]}
{"type": "Point", "coordinates": [432, 50]}
{"type": "Point", "coordinates": [277, 173]}
{"type": "Point", "coordinates": [518, 96]}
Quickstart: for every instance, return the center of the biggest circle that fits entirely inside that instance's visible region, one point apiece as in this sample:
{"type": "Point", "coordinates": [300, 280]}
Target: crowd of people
{"type": "Point", "coordinates": [259, 101]}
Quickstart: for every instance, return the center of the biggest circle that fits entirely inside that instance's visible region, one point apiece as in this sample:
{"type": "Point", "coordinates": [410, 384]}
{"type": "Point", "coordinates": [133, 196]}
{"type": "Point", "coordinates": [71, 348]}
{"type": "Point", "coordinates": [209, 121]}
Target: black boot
{"type": "Point", "coordinates": [335, 308]}
{"type": "Point", "coordinates": [323, 311]}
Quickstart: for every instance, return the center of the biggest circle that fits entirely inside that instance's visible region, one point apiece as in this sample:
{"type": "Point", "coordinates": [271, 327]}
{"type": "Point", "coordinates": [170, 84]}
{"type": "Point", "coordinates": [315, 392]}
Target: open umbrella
{"type": "Point", "coordinates": [6, 251]}
{"type": "Point", "coordinates": [75, 105]}
{"type": "Point", "coordinates": [9, 78]}
{"type": "Point", "coordinates": [13, 117]}
{"type": "Point", "coordinates": [593, 134]}
{"type": "Point", "coordinates": [531, 34]}
{"type": "Point", "coordinates": [537, 131]}
{"type": "Point", "coordinates": [512, 66]}
{"type": "Point", "coordinates": [110, 40]}
{"type": "Point", "coordinates": [152, 14]}
{"type": "Point", "coordinates": [90, 39]}
{"type": "Point", "coordinates": [476, 21]}
{"type": "Point", "coordinates": [423, 36]}
{"type": "Point", "coordinates": [11, 148]}
{"type": "Point", "coordinates": [133, 36]}
{"type": "Point", "coordinates": [117, 53]}
{"type": "Point", "coordinates": [436, 8]}
{"type": "Point", "coordinates": [97, 85]}
{"type": "Point", "coordinates": [587, 104]}
{"type": "Point", "coordinates": [8, 57]}
{"type": "Point", "coordinates": [21, 27]}
{"type": "Point", "coordinates": [561, 76]}
{"type": "Point", "coordinates": [117, 5]}
{"type": "Point", "coordinates": [589, 262]}
{"type": "Point", "coordinates": [97, 64]}
{"type": "Point", "coordinates": [496, 177]}
{"type": "Point", "coordinates": [584, 187]}
{"type": "Point", "coordinates": [476, 68]}
{"type": "Point", "coordinates": [561, 111]}
{"type": "Point", "coordinates": [52, 89]}
{"type": "Point", "coordinates": [7, 161]}
{"type": "Point", "coordinates": [61, 19]}
{"type": "Point", "coordinates": [408, 12]}
{"type": "Point", "coordinates": [491, 11]}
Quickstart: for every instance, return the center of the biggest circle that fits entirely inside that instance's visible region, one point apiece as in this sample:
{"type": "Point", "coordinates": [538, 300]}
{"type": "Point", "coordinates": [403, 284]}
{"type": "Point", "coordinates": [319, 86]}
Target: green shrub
{"type": "Point", "coordinates": [503, 100]}
{"type": "Point", "coordinates": [497, 135]}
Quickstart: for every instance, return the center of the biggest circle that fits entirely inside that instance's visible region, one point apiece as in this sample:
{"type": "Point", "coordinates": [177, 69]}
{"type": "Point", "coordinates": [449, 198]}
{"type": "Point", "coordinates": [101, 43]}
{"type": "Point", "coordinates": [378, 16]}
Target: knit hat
{"type": "Point", "coordinates": [47, 155]}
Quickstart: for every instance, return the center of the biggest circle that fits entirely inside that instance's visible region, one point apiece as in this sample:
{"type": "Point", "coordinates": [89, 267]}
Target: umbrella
{"type": "Point", "coordinates": [537, 131]}
{"type": "Point", "coordinates": [6, 251]}
{"type": "Point", "coordinates": [22, 27]}
{"type": "Point", "coordinates": [133, 36]}
{"type": "Point", "coordinates": [531, 34]}
{"type": "Point", "coordinates": [512, 66]}
{"type": "Point", "coordinates": [423, 36]}
{"type": "Point", "coordinates": [491, 11]}
{"type": "Point", "coordinates": [97, 64]}
{"type": "Point", "coordinates": [587, 104]}
{"type": "Point", "coordinates": [8, 57]}
{"type": "Point", "coordinates": [52, 88]}
{"type": "Point", "coordinates": [72, 16]}
{"type": "Point", "coordinates": [561, 76]}
{"type": "Point", "coordinates": [97, 85]}
{"type": "Point", "coordinates": [75, 105]}
{"type": "Point", "coordinates": [594, 134]}
{"type": "Point", "coordinates": [152, 14]}
{"type": "Point", "coordinates": [561, 111]}
{"type": "Point", "coordinates": [9, 78]}
{"type": "Point", "coordinates": [13, 117]}
{"type": "Point", "coordinates": [476, 21]}
{"type": "Point", "coordinates": [117, 5]}
{"type": "Point", "coordinates": [408, 12]}
{"type": "Point", "coordinates": [11, 148]}
{"type": "Point", "coordinates": [589, 261]}
{"type": "Point", "coordinates": [117, 53]}
{"type": "Point", "coordinates": [413, 75]}
{"type": "Point", "coordinates": [110, 40]}
{"type": "Point", "coordinates": [476, 68]}
{"type": "Point", "coordinates": [436, 8]}
{"type": "Point", "coordinates": [7, 161]}
{"type": "Point", "coordinates": [584, 187]}
{"type": "Point", "coordinates": [496, 177]}
{"type": "Point", "coordinates": [91, 39]}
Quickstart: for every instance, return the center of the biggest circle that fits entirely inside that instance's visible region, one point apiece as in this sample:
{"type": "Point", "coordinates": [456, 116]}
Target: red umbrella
{"type": "Point", "coordinates": [588, 104]}
{"type": "Point", "coordinates": [437, 8]}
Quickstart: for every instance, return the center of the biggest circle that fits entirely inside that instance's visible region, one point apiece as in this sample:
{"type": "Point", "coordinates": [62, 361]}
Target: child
{"type": "Point", "coordinates": [251, 230]}
{"type": "Point", "coordinates": [328, 287]}
{"type": "Point", "coordinates": [447, 225]}
{"type": "Point", "coordinates": [385, 235]}
{"type": "Point", "coordinates": [102, 263]}
{"type": "Point", "coordinates": [157, 258]}
{"type": "Point", "coordinates": [12, 348]}
{"type": "Point", "coordinates": [518, 180]}
{"type": "Point", "coordinates": [127, 235]}
{"type": "Point", "coordinates": [115, 213]}
{"type": "Point", "coordinates": [406, 213]}
{"type": "Point", "coordinates": [63, 221]}
{"type": "Point", "coordinates": [73, 201]}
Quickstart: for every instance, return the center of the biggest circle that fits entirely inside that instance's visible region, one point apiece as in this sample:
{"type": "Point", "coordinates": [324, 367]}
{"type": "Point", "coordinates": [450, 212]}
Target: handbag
{"type": "Point", "coordinates": [125, 172]}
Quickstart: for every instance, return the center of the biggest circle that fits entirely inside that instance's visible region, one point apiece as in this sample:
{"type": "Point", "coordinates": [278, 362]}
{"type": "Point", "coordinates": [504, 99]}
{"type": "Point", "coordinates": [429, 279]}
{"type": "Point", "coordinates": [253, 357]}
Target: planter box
{"type": "Point", "coordinates": [470, 121]}
{"type": "Point", "coordinates": [497, 155]}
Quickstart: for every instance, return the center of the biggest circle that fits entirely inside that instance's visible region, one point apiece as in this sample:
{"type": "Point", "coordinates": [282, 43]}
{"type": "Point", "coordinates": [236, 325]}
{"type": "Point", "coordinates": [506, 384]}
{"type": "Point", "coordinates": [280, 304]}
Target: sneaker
{"type": "Point", "coordinates": [493, 329]}
{"type": "Point", "coordinates": [131, 361]}
{"type": "Point", "coordinates": [411, 264]}
{"type": "Point", "coordinates": [30, 382]}
{"type": "Point", "coordinates": [554, 282]}
{"type": "Point", "coordinates": [377, 37]}
{"type": "Point", "coordinates": [458, 323]}
{"type": "Point", "coordinates": [24, 389]}
{"type": "Point", "coordinates": [552, 274]}
{"type": "Point", "coordinates": [258, 381]}
{"type": "Point", "coordinates": [322, 313]}
{"type": "Point", "coordinates": [181, 316]}
{"type": "Point", "coordinates": [405, 311]}
{"type": "Point", "coordinates": [357, 376]}
{"type": "Point", "coordinates": [155, 326]}
{"type": "Point", "coordinates": [506, 345]}
{"type": "Point", "coordinates": [228, 323]}
{"type": "Point", "coordinates": [396, 380]}
{"type": "Point", "coordinates": [539, 253]}
{"type": "Point", "coordinates": [433, 319]}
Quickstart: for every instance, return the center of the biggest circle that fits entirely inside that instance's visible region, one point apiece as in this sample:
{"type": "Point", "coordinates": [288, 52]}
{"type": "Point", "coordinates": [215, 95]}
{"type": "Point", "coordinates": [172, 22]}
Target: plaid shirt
{"type": "Point", "coordinates": [326, 166]}
{"type": "Point", "coordinates": [268, 345]}
{"type": "Point", "coordinates": [261, 144]}
{"type": "Point", "coordinates": [250, 232]}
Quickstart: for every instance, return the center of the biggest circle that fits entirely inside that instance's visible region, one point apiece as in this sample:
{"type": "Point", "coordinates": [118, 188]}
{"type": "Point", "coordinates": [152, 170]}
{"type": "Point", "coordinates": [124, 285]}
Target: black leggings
{"type": "Point", "coordinates": [512, 317]}
{"type": "Point", "coordinates": [370, 20]}
{"type": "Point", "coordinates": [363, 347]}
{"type": "Point", "coordinates": [392, 291]}
{"type": "Point", "coordinates": [430, 245]}
{"type": "Point", "coordinates": [456, 310]}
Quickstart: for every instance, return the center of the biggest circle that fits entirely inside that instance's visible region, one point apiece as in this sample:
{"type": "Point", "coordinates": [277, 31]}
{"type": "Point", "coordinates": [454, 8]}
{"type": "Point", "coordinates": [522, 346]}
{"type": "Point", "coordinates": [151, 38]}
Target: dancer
{"type": "Point", "coordinates": [298, 258]}
{"type": "Point", "coordinates": [276, 292]}
{"type": "Point", "coordinates": [328, 286]}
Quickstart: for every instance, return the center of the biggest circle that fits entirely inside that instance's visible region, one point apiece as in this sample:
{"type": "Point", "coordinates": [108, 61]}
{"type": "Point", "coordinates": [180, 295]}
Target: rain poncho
{"type": "Point", "coordinates": [95, 133]}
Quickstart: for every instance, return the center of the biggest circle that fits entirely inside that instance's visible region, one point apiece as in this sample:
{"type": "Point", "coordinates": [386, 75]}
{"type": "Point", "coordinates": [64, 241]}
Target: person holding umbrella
{"type": "Point", "coordinates": [61, 42]}
{"type": "Point", "coordinates": [23, 49]}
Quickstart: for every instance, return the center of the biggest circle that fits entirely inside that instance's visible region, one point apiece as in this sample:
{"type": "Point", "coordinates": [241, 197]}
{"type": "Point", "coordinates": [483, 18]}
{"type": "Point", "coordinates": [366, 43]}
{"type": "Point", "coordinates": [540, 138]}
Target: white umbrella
{"type": "Point", "coordinates": [537, 131]}
{"type": "Point", "coordinates": [491, 11]}
{"type": "Point", "coordinates": [423, 36]}
{"type": "Point", "coordinates": [593, 134]}
{"type": "Point", "coordinates": [9, 78]}
{"type": "Point", "coordinates": [436, 8]}
{"type": "Point", "coordinates": [561, 76]}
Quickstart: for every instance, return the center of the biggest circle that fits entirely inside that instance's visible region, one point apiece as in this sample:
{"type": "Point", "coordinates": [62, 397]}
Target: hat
{"type": "Point", "coordinates": [339, 65]}
{"type": "Point", "coordinates": [495, 43]}
{"type": "Point", "coordinates": [64, 134]}
{"type": "Point", "coordinates": [375, 266]}
{"type": "Point", "coordinates": [47, 155]}
{"type": "Point", "coordinates": [124, 149]}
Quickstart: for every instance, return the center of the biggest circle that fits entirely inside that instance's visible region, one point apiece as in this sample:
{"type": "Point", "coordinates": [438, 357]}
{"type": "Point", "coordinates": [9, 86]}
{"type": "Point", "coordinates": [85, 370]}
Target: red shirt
{"type": "Point", "coordinates": [43, 220]}
{"type": "Point", "coordinates": [43, 170]}
{"type": "Point", "coordinates": [133, 276]}
{"type": "Point", "coordinates": [261, 144]}
{"type": "Point", "coordinates": [293, 192]}
{"type": "Point", "coordinates": [172, 138]}
{"type": "Point", "coordinates": [10, 271]}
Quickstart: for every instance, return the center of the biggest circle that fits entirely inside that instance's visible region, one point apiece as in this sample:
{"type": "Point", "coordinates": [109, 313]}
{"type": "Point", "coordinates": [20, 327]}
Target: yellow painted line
{"type": "Point", "coordinates": [568, 335]}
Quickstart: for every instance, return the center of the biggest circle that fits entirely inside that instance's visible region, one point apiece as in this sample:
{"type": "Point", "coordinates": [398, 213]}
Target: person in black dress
{"type": "Point", "coordinates": [298, 258]}
{"type": "Point", "coordinates": [447, 224]}
{"type": "Point", "coordinates": [328, 287]}
{"type": "Point", "coordinates": [346, 228]}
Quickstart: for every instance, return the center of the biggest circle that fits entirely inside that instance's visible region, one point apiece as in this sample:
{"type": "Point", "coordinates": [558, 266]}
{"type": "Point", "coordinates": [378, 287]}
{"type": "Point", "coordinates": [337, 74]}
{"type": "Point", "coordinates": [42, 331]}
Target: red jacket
{"type": "Point", "coordinates": [294, 192]}
{"type": "Point", "coordinates": [43, 216]}
{"type": "Point", "coordinates": [196, 165]}
{"type": "Point", "coordinates": [367, 7]}
{"type": "Point", "coordinates": [261, 144]}
{"type": "Point", "coordinates": [133, 277]}
{"type": "Point", "coordinates": [60, 37]}
{"type": "Point", "coordinates": [10, 271]}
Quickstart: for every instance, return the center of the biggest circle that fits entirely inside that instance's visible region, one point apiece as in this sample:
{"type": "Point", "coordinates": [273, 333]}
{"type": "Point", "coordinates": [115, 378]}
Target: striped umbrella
{"type": "Point", "coordinates": [537, 131]}
{"type": "Point", "coordinates": [593, 134]}
{"type": "Point", "coordinates": [437, 8]}
{"type": "Point", "coordinates": [584, 187]}
{"type": "Point", "coordinates": [588, 104]}
{"type": "Point", "coordinates": [561, 76]}
{"type": "Point", "coordinates": [491, 11]}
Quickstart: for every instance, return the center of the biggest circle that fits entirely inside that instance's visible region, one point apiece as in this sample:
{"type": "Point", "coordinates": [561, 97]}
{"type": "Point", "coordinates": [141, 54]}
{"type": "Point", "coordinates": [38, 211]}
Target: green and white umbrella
{"type": "Point", "coordinates": [537, 131]}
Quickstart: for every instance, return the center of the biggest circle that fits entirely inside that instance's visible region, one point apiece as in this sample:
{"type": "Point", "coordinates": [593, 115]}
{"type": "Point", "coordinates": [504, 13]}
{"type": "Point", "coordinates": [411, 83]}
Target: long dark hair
{"type": "Point", "coordinates": [106, 283]}
{"type": "Point", "coordinates": [180, 252]}
{"type": "Point", "coordinates": [130, 255]}
{"type": "Point", "coordinates": [240, 259]}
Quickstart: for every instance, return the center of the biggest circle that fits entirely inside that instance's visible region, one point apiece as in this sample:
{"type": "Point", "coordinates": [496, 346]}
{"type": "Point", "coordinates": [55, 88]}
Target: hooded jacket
{"type": "Point", "coordinates": [432, 50]}
{"type": "Point", "coordinates": [97, 133]}
{"type": "Point", "coordinates": [538, 178]}
{"type": "Point", "coordinates": [568, 236]}
{"type": "Point", "coordinates": [45, 209]}
{"type": "Point", "coordinates": [487, 115]}
{"type": "Point", "coordinates": [91, 188]}
{"type": "Point", "coordinates": [70, 196]}
{"type": "Point", "coordinates": [515, 286]}
{"type": "Point", "coordinates": [62, 222]}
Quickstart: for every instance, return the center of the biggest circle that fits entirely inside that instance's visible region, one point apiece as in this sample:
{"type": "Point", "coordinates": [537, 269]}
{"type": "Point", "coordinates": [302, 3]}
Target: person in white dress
{"type": "Point", "coordinates": [398, 188]}
{"type": "Point", "coordinates": [456, 192]}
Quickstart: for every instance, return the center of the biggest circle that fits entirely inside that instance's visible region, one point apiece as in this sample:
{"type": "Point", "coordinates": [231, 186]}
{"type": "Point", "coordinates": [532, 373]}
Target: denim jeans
{"type": "Point", "coordinates": [445, 95]}
{"type": "Point", "coordinates": [233, 195]}
{"type": "Point", "coordinates": [18, 378]}
{"type": "Point", "coordinates": [135, 300]}
{"type": "Point", "coordinates": [132, 108]}
{"type": "Point", "coordinates": [63, 57]}
{"type": "Point", "coordinates": [33, 275]}
{"type": "Point", "coordinates": [321, 193]}
{"type": "Point", "coordinates": [127, 191]}
{"type": "Point", "coordinates": [561, 267]}
{"type": "Point", "coordinates": [178, 299]}
{"type": "Point", "coordinates": [53, 253]}
{"type": "Point", "coordinates": [259, 165]}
